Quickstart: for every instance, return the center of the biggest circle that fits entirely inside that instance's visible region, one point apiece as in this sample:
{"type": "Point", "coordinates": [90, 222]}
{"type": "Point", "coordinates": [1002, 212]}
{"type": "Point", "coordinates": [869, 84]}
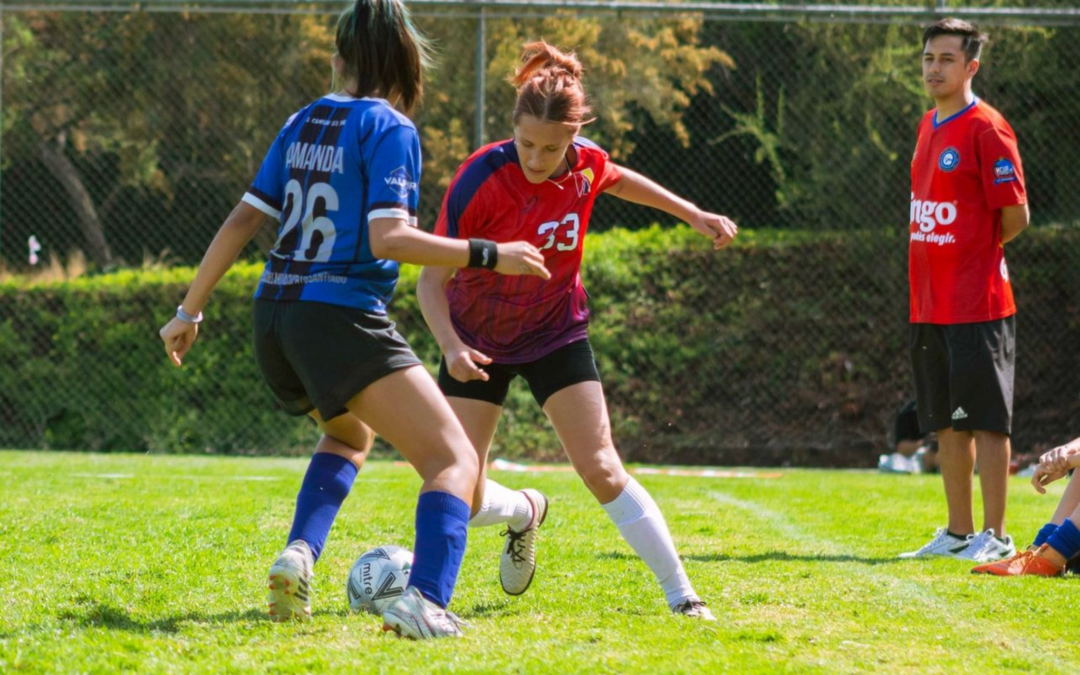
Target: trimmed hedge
{"type": "Point", "coordinates": [788, 348]}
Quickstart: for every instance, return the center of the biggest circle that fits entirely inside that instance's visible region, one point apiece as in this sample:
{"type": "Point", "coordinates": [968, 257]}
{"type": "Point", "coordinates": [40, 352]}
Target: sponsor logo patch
{"type": "Point", "coordinates": [949, 159]}
{"type": "Point", "coordinates": [401, 182]}
{"type": "Point", "coordinates": [1004, 171]}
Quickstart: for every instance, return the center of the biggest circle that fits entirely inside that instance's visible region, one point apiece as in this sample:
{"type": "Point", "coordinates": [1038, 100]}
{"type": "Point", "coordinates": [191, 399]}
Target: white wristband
{"type": "Point", "coordinates": [187, 318]}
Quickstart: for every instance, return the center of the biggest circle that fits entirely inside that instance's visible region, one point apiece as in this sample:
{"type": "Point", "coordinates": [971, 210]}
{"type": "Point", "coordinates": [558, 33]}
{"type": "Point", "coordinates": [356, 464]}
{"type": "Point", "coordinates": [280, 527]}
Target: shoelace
{"type": "Point", "coordinates": [939, 536]}
{"type": "Point", "coordinates": [515, 545]}
{"type": "Point", "coordinates": [980, 543]}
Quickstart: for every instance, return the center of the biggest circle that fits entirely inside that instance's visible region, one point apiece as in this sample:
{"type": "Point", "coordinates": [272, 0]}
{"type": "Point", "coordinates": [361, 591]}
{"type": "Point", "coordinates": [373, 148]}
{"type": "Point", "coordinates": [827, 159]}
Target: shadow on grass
{"type": "Point", "coordinates": [98, 615]}
{"type": "Point", "coordinates": [766, 557]}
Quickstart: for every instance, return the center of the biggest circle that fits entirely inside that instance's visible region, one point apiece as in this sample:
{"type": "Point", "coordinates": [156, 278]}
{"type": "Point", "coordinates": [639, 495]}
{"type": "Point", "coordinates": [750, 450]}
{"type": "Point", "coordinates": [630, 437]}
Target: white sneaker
{"type": "Point", "coordinates": [897, 463]}
{"type": "Point", "coordinates": [943, 544]}
{"type": "Point", "coordinates": [985, 547]}
{"type": "Point", "coordinates": [414, 616]}
{"type": "Point", "coordinates": [695, 609]}
{"type": "Point", "coordinates": [517, 564]}
{"type": "Point", "coordinates": [290, 583]}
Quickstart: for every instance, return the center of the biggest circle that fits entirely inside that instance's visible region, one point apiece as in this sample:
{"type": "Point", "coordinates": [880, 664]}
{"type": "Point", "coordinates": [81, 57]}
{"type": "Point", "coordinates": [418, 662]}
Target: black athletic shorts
{"type": "Point", "coordinates": [317, 355]}
{"type": "Point", "coordinates": [560, 369]}
{"type": "Point", "coordinates": [964, 375]}
{"type": "Point", "coordinates": [906, 424]}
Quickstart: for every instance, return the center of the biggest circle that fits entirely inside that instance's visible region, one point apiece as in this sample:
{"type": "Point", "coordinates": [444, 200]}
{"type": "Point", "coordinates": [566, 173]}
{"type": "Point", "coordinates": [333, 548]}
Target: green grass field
{"type": "Point", "coordinates": [146, 564]}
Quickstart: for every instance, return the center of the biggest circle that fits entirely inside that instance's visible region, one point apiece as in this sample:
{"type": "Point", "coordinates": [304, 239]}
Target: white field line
{"type": "Point", "coordinates": [900, 590]}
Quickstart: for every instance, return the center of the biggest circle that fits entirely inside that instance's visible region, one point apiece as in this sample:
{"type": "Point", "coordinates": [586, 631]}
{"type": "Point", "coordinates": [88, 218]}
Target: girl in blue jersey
{"type": "Point", "coordinates": [342, 177]}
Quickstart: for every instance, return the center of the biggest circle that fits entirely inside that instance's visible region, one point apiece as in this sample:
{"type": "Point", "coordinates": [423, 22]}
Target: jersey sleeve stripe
{"type": "Point", "coordinates": [258, 202]}
{"type": "Point", "coordinates": [391, 213]}
{"type": "Point", "coordinates": [471, 180]}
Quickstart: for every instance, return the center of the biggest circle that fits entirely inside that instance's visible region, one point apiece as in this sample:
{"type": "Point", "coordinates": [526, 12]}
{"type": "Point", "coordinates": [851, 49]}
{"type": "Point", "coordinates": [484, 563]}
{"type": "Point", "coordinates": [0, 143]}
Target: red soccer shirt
{"type": "Point", "coordinates": [965, 169]}
{"type": "Point", "coordinates": [517, 319]}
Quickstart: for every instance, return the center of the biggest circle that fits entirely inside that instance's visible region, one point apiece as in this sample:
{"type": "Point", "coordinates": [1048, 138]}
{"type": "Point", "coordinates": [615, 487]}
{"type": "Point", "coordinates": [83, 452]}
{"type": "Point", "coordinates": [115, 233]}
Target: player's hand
{"type": "Point", "coordinates": [464, 363]}
{"type": "Point", "coordinates": [720, 229]}
{"type": "Point", "coordinates": [178, 337]}
{"type": "Point", "coordinates": [1058, 458]}
{"type": "Point", "coordinates": [1046, 474]}
{"type": "Point", "coordinates": [521, 257]}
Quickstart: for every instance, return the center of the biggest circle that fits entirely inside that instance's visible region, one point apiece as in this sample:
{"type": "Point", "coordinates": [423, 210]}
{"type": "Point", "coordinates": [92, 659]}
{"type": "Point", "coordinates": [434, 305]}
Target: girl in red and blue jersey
{"type": "Point", "coordinates": [342, 178]}
{"type": "Point", "coordinates": [540, 186]}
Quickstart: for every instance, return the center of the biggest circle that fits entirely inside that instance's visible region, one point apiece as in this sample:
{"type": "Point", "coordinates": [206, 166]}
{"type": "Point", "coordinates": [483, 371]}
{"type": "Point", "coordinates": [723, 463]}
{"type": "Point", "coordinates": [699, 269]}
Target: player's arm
{"type": "Point", "coordinates": [394, 239]}
{"type": "Point", "coordinates": [461, 360]}
{"type": "Point", "coordinates": [1013, 221]}
{"type": "Point", "coordinates": [235, 233]}
{"type": "Point", "coordinates": [633, 187]}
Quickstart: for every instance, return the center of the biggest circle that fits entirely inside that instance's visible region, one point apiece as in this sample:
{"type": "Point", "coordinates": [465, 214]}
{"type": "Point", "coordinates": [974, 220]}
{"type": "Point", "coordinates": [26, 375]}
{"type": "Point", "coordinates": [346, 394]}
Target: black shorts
{"type": "Point", "coordinates": [964, 375]}
{"type": "Point", "coordinates": [560, 369]}
{"type": "Point", "coordinates": [317, 355]}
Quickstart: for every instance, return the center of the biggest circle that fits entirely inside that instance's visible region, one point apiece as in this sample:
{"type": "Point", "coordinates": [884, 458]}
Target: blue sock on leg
{"type": "Point", "coordinates": [326, 484]}
{"type": "Point", "coordinates": [442, 524]}
{"type": "Point", "coordinates": [1065, 540]}
{"type": "Point", "coordinates": [1044, 534]}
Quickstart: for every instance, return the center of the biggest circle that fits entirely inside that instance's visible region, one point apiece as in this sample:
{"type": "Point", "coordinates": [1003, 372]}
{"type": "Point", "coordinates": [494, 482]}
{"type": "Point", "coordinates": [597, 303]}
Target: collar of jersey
{"type": "Point", "coordinates": [950, 118]}
{"type": "Point", "coordinates": [337, 98]}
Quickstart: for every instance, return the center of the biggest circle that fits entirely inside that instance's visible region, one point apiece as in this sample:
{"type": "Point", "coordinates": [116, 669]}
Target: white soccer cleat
{"type": "Point", "coordinates": [943, 544]}
{"type": "Point", "coordinates": [695, 609]}
{"type": "Point", "coordinates": [414, 616]}
{"type": "Point", "coordinates": [290, 583]}
{"type": "Point", "coordinates": [985, 547]}
{"type": "Point", "coordinates": [517, 564]}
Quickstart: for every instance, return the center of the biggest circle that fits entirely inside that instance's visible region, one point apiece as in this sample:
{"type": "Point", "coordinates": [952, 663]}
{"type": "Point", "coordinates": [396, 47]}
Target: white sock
{"type": "Point", "coordinates": [503, 505]}
{"type": "Point", "coordinates": [643, 527]}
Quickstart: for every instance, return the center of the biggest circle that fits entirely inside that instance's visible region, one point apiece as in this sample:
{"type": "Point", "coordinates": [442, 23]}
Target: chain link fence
{"type": "Point", "coordinates": [130, 131]}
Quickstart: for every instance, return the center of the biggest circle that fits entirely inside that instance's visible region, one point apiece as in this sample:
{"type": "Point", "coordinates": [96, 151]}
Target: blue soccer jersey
{"type": "Point", "coordinates": [338, 163]}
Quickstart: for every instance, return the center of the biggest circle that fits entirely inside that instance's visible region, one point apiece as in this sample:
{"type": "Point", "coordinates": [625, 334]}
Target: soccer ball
{"type": "Point", "coordinates": [377, 578]}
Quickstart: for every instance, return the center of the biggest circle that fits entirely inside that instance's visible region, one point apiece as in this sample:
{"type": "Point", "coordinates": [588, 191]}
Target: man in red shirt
{"type": "Point", "coordinates": [967, 201]}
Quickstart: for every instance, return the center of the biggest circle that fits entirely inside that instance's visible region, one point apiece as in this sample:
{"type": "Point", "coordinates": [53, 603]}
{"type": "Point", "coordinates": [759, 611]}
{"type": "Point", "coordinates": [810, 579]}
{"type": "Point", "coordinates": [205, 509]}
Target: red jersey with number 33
{"type": "Point", "coordinates": [965, 169]}
{"type": "Point", "coordinates": [517, 319]}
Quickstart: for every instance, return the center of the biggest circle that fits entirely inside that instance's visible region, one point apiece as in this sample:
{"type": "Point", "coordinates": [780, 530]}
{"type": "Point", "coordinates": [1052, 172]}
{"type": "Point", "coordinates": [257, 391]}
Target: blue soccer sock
{"type": "Point", "coordinates": [1065, 540]}
{"type": "Point", "coordinates": [1044, 534]}
{"type": "Point", "coordinates": [442, 524]}
{"type": "Point", "coordinates": [326, 484]}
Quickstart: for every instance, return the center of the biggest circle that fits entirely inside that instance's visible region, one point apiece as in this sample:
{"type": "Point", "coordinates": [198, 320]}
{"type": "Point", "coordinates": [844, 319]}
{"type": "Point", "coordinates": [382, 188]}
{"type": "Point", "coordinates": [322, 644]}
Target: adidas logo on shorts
{"type": "Point", "coordinates": [959, 414]}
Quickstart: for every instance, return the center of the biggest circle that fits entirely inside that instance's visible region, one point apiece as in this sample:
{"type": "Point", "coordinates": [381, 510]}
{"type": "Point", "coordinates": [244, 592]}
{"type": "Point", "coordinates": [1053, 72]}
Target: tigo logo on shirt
{"type": "Point", "coordinates": [929, 214]}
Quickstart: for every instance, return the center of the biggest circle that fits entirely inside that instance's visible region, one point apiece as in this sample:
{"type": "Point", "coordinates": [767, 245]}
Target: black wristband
{"type": "Point", "coordinates": [483, 253]}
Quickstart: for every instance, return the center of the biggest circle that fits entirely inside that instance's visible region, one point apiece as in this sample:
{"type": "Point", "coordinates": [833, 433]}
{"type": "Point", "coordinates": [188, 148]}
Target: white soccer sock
{"type": "Point", "coordinates": [503, 505]}
{"type": "Point", "coordinates": [643, 527]}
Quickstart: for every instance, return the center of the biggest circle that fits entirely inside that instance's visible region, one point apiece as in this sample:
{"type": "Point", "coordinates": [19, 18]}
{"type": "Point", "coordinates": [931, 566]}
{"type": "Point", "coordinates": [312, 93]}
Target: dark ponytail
{"type": "Point", "coordinates": [383, 51]}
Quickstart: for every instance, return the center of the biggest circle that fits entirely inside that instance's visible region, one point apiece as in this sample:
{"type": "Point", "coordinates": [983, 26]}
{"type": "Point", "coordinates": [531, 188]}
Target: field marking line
{"type": "Point", "coordinates": [901, 590]}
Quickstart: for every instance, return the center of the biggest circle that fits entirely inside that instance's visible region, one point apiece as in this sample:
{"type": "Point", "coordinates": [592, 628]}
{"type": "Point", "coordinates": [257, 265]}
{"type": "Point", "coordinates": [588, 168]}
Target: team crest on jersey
{"type": "Point", "coordinates": [583, 180]}
{"type": "Point", "coordinates": [1004, 171]}
{"type": "Point", "coordinates": [949, 159]}
{"type": "Point", "coordinates": [401, 182]}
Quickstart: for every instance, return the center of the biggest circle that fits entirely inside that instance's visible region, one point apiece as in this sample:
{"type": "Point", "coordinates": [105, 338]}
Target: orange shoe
{"type": "Point", "coordinates": [1004, 563]}
{"type": "Point", "coordinates": [1028, 563]}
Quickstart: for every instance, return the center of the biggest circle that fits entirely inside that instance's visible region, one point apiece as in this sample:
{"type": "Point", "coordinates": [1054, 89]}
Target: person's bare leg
{"type": "Point", "coordinates": [408, 410]}
{"type": "Point", "coordinates": [993, 451]}
{"type": "Point", "coordinates": [480, 420]}
{"type": "Point", "coordinates": [438, 448]}
{"type": "Point", "coordinates": [1070, 502]}
{"type": "Point", "coordinates": [580, 417]}
{"type": "Point", "coordinates": [956, 456]}
{"type": "Point", "coordinates": [346, 436]}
